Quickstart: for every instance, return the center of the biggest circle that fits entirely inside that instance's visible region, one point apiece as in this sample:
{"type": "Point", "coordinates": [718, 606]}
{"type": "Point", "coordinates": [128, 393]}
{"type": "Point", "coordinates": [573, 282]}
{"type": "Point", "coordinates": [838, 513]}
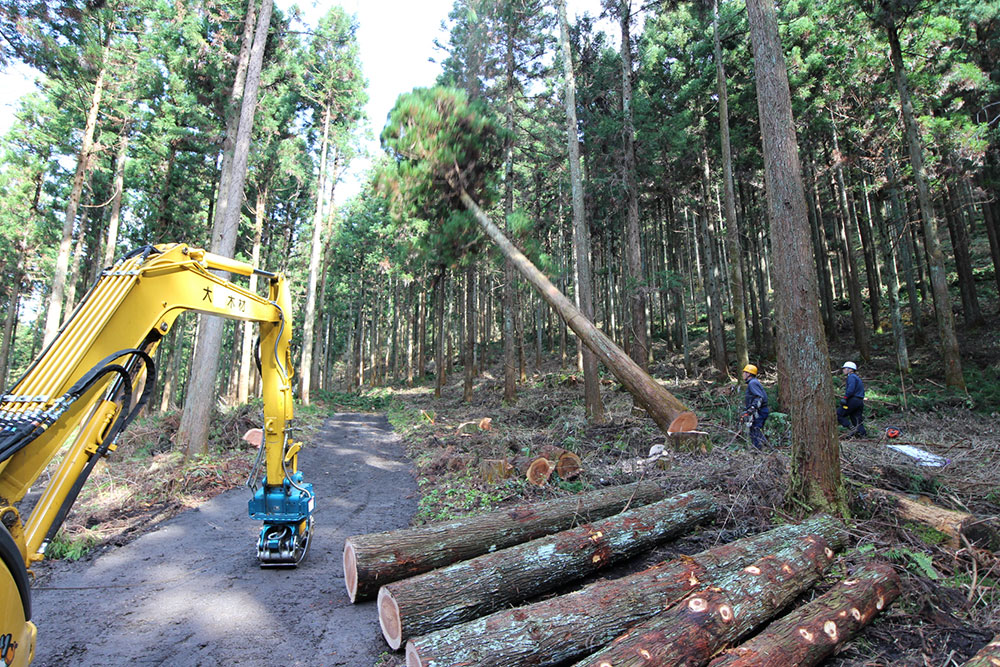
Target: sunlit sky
{"type": "Point", "coordinates": [396, 38]}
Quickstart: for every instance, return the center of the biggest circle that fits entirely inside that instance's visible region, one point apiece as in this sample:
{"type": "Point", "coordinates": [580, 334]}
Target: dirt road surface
{"type": "Point", "coordinates": [190, 592]}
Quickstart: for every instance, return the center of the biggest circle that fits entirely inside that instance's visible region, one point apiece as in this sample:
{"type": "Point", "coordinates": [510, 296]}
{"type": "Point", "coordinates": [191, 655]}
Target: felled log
{"type": "Point", "coordinates": [953, 524]}
{"type": "Point", "coordinates": [690, 441]}
{"type": "Point", "coordinates": [690, 632]}
{"type": "Point", "coordinates": [469, 589]}
{"type": "Point", "coordinates": [988, 656]}
{"type": "Point", "coordinates": [553, 631]}
{"type": "Point", "coordinates": [376, 559]}
{"type": "Point", "coordinates": [568, 464]}
{"type": "Point", "coordinates": [536, 469]}
{"type": "Point", "coordinates": [808, 635]}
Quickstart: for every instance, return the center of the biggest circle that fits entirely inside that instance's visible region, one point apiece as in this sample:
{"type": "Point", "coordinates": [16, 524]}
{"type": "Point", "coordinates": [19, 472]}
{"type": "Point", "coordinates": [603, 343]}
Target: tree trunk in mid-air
{"type": "Point", "coordinates": [376, 559]}
{"type": "Point", "coordinates": [803, 360]}
{"type": "Point", "coordinates": [469, 589]}
{"type": "Point", "coordinates": [668, 413]}
{"type": "Point", "coordinates": [192, 433]}
{"type": "Point", "coordinates": [593, 406]}
{"type": "Point", "coordinates": [559, 629]}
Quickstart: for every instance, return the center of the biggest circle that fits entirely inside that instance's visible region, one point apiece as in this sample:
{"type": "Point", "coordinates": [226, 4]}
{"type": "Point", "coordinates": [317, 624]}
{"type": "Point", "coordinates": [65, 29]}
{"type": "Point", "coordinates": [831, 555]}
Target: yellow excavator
{"type": "Point", "coordinates": [94, 378]}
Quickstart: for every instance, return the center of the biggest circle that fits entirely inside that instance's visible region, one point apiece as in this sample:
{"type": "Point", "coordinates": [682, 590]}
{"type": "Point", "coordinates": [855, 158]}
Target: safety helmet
{"type": "Point", "coordinates": [850, 364]}
{"type": "Point", "coordinates": [751, 369]}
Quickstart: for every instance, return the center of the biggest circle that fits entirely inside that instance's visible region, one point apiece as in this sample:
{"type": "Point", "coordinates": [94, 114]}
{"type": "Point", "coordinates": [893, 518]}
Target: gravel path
{"type": "Point", "coordinates": [190, 592]}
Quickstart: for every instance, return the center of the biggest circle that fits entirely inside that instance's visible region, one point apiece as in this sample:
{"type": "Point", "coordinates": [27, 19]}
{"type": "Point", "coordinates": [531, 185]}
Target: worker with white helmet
{"type": "Point", "coordinates": [850, 413]}
{"type": "Point", "coordinates": [755, 405]}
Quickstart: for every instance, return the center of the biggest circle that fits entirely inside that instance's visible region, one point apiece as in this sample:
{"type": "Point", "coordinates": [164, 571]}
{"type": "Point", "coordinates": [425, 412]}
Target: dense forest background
{"type": "Point", "coordinates": [218, 124]}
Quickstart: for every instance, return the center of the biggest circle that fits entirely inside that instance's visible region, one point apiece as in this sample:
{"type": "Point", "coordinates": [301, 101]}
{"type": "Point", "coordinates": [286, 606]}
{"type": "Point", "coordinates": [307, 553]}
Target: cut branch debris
{"type": "Point", "coordinates": [467, 590]}
{"type": "Point", "coordinates": [691, 632]}
{"type": "Point", "coordinates": [376, 559]}
{"type": "Point", "coordinates": [571, 626]}
{"type": "Point", "coordinates": [808, 635]}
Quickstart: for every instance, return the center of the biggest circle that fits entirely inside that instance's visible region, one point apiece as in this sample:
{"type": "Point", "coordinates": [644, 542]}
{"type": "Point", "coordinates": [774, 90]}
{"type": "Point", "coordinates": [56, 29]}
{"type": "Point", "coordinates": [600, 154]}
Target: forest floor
{"type": "Point", "coordinates": [950, 605]}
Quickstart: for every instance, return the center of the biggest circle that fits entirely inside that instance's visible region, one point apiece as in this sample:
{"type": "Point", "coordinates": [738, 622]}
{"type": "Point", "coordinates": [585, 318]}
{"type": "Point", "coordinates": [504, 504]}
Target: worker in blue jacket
{"type": "Point", "coordinates": [755, 410]}
{"type": "Point", "coordinates": [850, 413]}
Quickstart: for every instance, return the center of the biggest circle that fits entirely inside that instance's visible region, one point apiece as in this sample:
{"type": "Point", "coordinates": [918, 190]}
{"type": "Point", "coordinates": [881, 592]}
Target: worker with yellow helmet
{"type": "Point", "coordinates": [755, 406]}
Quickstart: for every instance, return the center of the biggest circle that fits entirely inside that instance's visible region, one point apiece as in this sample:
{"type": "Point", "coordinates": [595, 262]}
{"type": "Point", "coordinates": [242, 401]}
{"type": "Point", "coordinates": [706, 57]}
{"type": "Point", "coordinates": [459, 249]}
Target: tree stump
{"type": "Point", "coordinates": [464, 591]}
{"type": "Point", "coordinates": [690, 441]}
{"type": "Point", "coordinates": [376, 559]}
{"type": "Point", "coordinates": [808, 635]}
{"type": "Point", "coordinates": [495, 470]}
{"type": "Point", "coordinates": [568, 464]}
{"type": "Point", "coordinates": [690, 632]}
{"type": "Point", "coordinates": [536, 470]}
{"type": "Point", "coordinates": [553, 631]}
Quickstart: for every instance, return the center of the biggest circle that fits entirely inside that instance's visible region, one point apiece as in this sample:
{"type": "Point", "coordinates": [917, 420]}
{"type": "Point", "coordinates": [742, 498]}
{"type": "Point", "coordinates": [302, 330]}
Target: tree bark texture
{"type": "Point", "coordinates": [470, 589]}
{"type": "Point", "coordinates": [713, 291]}
{"type": "Point", "coordinates": [635, 288]}
{"type": "Point", "coordinates": [802, 352]}
{"type": "Point", "coordinates": [559, 629]}
{"type": "Point", "coordinates": [693, 630]}
{"type": "Point", "coordinates": [808, 635]}
{"type": "Point", "coordinates": [53, 317]}
{"type": "Point", "coordinates": [988, 656]}
{"type": "Point", "coordinates": [593, 406]}
{"type": "Point", "coordinates": [192, 433]}
{"type": "Point", "coordinates": [315, 251]}
{"type": "Point", "coordinates": [376, 559]}
{"type": "Point", "coordinates": [732, 233]}
{"type": "Point", "coordinates": [662, 406]}
{"type": "Point", "coordinates": [935, 258]}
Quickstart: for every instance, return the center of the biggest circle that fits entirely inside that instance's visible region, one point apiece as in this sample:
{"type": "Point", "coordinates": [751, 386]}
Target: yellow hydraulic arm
{"type": "Point", "coordinates": [98, 372]}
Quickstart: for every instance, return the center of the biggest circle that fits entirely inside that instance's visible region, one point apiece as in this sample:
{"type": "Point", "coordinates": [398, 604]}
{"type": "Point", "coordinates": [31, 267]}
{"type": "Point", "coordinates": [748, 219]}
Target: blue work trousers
{"type": "Point", "coordinates": [756, 426]}
{"type": "Point", "coordinates": [851, 415]}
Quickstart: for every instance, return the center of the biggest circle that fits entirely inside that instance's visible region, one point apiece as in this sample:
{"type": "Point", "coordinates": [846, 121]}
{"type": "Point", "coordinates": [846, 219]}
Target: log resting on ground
{"type": "Point", "coordinates": [472, 588]}
{"type": "Point", "coordinates": [808, 635]}
{"type": "Point", "coordinates": [552, 631]}
{"type": "Point", "coordinates": [376, 559]}
{"type": "Point", "coordinates": [955, 525]}
{"type": "Point", "coordinates": [988, 656]}
{"type": "Point", "coordinates": [536, 470]}
{"type": "Point", "coordinates": [692, 631]}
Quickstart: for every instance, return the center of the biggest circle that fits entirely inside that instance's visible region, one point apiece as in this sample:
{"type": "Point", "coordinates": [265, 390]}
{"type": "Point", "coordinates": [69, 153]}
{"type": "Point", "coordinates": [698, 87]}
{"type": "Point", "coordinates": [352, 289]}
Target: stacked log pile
{"type": "Point", "coordinates": [376, 559]}
{"type": "Point", "coordinates": [470, 589]}
{"type": "Point", "coordinates": [447, 590]}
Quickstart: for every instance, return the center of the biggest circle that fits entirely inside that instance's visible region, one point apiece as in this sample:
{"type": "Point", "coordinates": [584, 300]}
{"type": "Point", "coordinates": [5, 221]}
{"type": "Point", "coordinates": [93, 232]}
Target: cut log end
{"type": "Point", "coordinates": [389, 619]}
{"type": "Point", "coordinates": [350, 570]}
{"type": "Point", "coordinates": [412, 656]}
{"type": "Point", "coordinates": [685, 421]}
{"type": "Point", "coordinates": [539, 471]}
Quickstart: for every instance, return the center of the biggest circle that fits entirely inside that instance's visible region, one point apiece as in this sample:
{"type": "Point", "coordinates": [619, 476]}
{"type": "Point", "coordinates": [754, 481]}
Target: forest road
{"type": "Point", "coordinates": [190, 592]}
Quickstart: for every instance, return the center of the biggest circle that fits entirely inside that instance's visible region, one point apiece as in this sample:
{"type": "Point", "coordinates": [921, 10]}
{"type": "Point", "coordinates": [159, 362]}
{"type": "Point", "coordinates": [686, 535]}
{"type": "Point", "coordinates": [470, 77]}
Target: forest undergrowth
{"type": "Point", "coordinates": [950, 604]}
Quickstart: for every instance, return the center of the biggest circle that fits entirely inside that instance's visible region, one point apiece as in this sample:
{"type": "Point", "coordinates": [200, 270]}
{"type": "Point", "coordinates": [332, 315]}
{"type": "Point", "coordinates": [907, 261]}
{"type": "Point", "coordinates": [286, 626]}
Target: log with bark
{"type": "Point", "coordinates": [494, 470]}
{"type": "Point", "coordinates": [376, 559]}
{"type": "Point", "coordinates": [956, 525]}
{"type": "Point", "coordinates": [988, 656]}
{"type": "Point", "coordinates": [553, 631]}
{"type": "Point", "coordinates": [813, 631]}
{"type": "Point", "coordinates": [469, 589]}
{"type": "Point", "coordinates": [663, 407]}
{"type": "Point", "coordinates": [692, 631]}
